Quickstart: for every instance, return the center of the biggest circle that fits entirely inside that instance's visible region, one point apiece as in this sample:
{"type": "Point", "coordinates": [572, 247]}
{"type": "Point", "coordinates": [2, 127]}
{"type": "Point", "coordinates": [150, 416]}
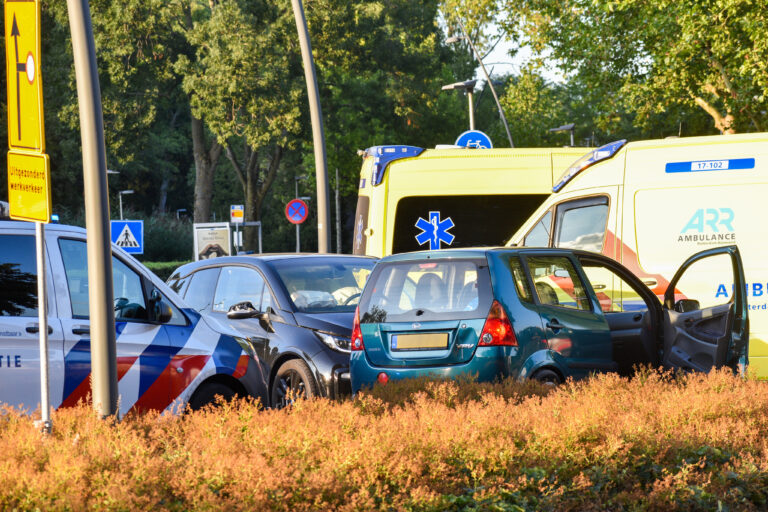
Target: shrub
{"type": "Point", "coordinates": [163, 269]}
{"type": "Point", "coordinates": [659, 442]}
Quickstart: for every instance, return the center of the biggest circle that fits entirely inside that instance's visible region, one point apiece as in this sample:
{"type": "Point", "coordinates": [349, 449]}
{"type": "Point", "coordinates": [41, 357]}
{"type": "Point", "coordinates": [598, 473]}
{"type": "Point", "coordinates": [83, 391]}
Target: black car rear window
{"type": "Point", "coordinates": [426, 290]}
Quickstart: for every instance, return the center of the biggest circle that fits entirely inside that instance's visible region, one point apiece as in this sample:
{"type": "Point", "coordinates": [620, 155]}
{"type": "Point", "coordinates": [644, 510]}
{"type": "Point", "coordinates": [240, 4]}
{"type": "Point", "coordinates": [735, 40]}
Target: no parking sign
{"type": "Point", "coordinates": [296, 211]}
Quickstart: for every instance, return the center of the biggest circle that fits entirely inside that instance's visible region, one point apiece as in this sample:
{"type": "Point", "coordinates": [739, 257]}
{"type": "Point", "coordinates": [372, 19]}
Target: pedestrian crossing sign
{"type": "Point", "coordinates": [129, 235]}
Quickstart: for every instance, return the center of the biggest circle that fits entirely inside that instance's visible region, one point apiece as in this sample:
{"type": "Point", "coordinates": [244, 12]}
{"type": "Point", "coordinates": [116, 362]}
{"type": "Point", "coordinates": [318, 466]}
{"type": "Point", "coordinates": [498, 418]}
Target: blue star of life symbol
{"type": "Point", "coordinates": [434, 231]}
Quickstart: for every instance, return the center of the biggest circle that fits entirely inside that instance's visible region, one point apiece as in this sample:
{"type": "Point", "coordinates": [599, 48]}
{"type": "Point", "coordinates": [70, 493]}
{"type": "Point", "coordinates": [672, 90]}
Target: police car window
{"type": "Point", "coordinates": [201, 288]}
{"type": "Point", "coordinates": [129, 294]}
{"type": "Point", "coordinates": [583, 228]}
{"type": "Point", "coordinates": [238, 284]}
{"type": "Point", "coordinates": [539, 235]}
{"type": "Point", "coordinates": [129, 302]}
{"type": "Point", "coordinates": [557, 283]}
{"type": "Point", "coordinates": [18, 276]}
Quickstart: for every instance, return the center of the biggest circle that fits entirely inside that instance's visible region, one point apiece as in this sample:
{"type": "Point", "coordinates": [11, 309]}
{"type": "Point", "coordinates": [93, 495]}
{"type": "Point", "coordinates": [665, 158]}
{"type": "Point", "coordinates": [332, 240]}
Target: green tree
{"type": "Point", "coordinates": [650, 57]}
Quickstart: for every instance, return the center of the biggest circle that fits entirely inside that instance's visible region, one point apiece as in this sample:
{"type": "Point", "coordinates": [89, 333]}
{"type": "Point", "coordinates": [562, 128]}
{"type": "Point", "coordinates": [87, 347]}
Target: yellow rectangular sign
{"type": "Point", "coordinates": [29, 186]}
{"type": "Point", "coordinates": [26, 130]}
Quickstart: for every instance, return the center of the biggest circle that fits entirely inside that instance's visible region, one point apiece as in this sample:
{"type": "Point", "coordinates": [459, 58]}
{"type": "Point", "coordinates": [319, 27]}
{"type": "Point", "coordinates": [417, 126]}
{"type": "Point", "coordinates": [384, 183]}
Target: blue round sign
{"type": "Point", "coordinates": [474, 139]}
{"type": "Point", "coordinates": [296, 211]}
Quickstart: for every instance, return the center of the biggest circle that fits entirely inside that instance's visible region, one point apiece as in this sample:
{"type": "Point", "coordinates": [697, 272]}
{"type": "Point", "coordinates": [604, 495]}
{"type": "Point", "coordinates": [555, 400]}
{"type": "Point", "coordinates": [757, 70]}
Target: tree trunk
{"type": "Point", "coordinates": [206, 160]}
{"type": "Point", "coordinates": [162, 203]}
{"type": "Point", "coordinates": [254, 187]}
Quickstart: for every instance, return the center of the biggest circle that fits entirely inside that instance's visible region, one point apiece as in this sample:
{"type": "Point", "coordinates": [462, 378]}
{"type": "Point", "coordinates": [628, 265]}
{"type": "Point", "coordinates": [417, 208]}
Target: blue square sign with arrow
{"type": "Point", "coordinates": [129, 235]}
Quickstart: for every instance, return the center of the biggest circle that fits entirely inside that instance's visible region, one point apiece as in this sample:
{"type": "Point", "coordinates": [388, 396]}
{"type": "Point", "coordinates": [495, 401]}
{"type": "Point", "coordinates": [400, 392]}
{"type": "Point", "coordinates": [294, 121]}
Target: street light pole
{"type": "Point", "coordinates": [100, 289]}
{"type": "Point", "coordinates": [468, 87]}
{"type": "Point", "coordinates": [120, 197]}
{"type": "Point", "coordinates": [318, 137]}
{"type": "Point", "coordinates": [488, 79]}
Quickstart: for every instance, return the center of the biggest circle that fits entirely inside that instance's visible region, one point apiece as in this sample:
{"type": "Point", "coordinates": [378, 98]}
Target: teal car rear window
{"type": "Point", "coordinates": [425, 290]}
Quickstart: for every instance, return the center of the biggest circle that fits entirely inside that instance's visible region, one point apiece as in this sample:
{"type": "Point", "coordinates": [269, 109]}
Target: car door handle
{"type": "Point", "coordinates": [554, 325]}
{"type": "Point", "coordinates": [649, 282]}
{"type": "Point", "coordinates": [34, 329]}
{"type": "Point", "coordinates": [81, 330]}
{"type": "Point", "coordinates": [637, 317]}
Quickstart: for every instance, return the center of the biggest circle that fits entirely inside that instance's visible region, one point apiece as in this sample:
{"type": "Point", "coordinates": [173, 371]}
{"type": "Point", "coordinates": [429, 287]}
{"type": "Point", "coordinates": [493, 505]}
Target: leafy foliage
{"type": "Point", "coordinates": [652, 56]}
{"type": "Point", "coordinates": [656, 442]}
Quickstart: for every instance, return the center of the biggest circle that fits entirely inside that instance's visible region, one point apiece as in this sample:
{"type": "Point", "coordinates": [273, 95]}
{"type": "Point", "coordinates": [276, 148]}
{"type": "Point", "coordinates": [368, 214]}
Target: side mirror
{"type": "Point", "coordinates": [163, 312]}
{"type": "Point", "coordinates": [686, 305]}
{"type": "Point", "coordinates": [242, 310]}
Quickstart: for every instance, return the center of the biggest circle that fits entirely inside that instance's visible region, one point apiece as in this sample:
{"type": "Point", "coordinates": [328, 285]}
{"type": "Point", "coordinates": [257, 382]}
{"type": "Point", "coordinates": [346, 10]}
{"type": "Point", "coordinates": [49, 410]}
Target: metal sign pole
{"type": "Point", "coordinates": [42, 318]}
{"type": "Point", "coordinates": [100, 289]}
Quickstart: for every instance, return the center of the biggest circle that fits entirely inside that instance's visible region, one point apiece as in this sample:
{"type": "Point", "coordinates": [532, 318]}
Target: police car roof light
{"type": "Point", "coordinates": [385, 155]}
{"type": "Point", "coordinates": [586, 161]}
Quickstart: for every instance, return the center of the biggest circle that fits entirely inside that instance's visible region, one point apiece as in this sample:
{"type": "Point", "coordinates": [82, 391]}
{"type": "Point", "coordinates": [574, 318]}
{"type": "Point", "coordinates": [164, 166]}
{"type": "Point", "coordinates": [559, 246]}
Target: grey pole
{"type": "Point", "coordinates": [100, 290]}
{"type": "Point", "coordinates": [488, 79]}
{"type": "Point", "coordinates": [120, 199]}
{"type": "Point", "coordinates": [471, 110]}
{"type": "Point", "coordinates": [296, 196]}
{"type": "Point", "coordinates": [338, 215]}
{"type": "Point", "coordinates": [318, 137]}
{"type": "Point", "coordinates": [42, 321]}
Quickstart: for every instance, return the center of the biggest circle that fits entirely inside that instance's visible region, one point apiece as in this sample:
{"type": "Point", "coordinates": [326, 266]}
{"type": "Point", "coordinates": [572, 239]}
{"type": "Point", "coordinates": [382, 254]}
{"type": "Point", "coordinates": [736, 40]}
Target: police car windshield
{"type": "Point", "coordinates": [324, 285]}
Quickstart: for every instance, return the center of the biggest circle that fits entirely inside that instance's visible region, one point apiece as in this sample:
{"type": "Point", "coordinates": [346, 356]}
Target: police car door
{"type": "Point", "coordinates": [142, 345]}
{"type": "Point", "coordinates": [705, 312]}
{"type": "Point", "coordinates": [19, 334]}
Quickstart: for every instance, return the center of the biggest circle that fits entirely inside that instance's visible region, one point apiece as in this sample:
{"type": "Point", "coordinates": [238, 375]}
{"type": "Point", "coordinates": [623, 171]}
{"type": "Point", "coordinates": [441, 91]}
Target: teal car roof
{"type": "Point", "coordinates": [469, 252]}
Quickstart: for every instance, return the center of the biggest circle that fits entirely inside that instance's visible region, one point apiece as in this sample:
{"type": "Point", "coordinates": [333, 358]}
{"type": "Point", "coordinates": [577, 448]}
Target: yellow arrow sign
{"type": "Point", "coordinates": [26, 130]}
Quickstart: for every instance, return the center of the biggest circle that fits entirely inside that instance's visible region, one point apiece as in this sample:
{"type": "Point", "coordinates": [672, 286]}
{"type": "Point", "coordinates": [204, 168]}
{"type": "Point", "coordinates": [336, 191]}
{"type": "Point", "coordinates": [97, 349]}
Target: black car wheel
{"type": "Point", "coordinates": [207, 394]}
{"type": "Point", "coordinates": [294, 381]}
{"type": "Point", "coordinates": [547, 377]}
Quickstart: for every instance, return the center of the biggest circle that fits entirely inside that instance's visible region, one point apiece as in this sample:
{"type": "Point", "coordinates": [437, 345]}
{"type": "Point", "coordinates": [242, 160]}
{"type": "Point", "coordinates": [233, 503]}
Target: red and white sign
{"type": "Point", "coordinates": [296, 211]}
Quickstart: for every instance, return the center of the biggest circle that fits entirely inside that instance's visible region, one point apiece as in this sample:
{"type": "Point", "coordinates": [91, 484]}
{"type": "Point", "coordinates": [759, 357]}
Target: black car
{"type": "Point", "coordinates": [296, 310]}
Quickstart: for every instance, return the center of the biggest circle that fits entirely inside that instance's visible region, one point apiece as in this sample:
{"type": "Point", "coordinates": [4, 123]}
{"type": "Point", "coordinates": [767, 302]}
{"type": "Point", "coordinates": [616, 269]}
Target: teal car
{"type": "Point", "coordinates": [546, 314]}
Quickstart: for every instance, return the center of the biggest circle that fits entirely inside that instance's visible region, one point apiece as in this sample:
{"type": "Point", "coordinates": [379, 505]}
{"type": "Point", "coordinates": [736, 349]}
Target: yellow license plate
{"type": "Point", "coordinates": [419, 341]}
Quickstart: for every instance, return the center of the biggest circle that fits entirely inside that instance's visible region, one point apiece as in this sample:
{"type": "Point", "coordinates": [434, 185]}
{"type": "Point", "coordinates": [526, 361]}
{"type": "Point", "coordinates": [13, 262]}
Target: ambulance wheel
{"type": "Point", "coordinates": [208, 393]}
{"type": "Point", "coordinates": [547, 377]}
{"type": "Point", "coordinates": [293, 381]}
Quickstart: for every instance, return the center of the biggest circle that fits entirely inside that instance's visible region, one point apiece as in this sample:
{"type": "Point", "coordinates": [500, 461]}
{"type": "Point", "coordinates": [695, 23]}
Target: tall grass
{"type": "Point", "coordinates": [657, 442]}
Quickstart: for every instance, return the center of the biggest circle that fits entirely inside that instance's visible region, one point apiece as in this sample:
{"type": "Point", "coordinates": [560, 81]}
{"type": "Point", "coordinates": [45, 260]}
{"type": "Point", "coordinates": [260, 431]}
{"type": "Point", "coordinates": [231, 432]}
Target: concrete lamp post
{"type": "Point", "coordinates": [468, 86]}
{"type": "Point", "coordinates": [120, 196]}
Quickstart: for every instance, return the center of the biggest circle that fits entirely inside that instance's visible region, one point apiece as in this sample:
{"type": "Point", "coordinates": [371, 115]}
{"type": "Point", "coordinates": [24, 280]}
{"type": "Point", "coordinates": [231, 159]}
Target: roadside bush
{"type": "Point", "coordinates": [657, 442]}
{"type": "Point", "coordinates": [163, 269]}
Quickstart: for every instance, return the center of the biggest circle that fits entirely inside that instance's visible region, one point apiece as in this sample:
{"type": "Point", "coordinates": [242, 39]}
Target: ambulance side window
{"type": "Point", "coordinates": [581, 224]}
{"type": "Point", "coordinates": [539, 235]}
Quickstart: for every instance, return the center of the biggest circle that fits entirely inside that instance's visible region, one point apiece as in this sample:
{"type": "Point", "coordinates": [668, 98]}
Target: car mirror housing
{"type": "Point", "coordinates": [242, 310]}
{"type": "Point", "coordinates": [686, 305]}
{"type": "Point", "coordinates": [163, 312]}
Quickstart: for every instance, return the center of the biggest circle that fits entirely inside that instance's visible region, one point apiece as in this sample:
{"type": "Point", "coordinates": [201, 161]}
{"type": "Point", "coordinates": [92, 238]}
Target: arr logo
{"type": "Point", "coordinates": [713, 218]}
{"type": "Point", "coordinates": [709, 226]}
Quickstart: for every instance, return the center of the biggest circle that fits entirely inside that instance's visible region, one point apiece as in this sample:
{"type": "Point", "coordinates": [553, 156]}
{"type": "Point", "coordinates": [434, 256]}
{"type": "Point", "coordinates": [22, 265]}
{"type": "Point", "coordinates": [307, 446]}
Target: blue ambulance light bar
{"type": "Point", "coordinates": [591, 158]}
{"type": "Point", "coordinates": [385, 155]}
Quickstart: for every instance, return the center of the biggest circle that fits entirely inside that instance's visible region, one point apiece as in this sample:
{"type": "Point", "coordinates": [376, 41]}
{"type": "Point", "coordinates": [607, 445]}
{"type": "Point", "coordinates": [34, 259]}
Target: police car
{"type": "Point", "coordinates": [168, 356]}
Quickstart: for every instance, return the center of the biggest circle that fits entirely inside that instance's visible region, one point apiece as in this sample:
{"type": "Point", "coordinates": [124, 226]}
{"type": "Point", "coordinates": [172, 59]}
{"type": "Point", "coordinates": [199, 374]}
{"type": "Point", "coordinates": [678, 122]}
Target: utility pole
{"type": "Point", "coordinates": [338, 215]}
{"type": "Point", "coordinates": [100, 288]}
{"type": "Point", "coordinates": [318, 137]}
{"type": "Point", "coordinates": [488, 79]}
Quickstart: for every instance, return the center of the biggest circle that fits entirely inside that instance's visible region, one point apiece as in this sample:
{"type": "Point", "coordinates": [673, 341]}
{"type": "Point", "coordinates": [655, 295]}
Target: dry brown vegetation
{"type": "Point", "coordinates": [655, 442]}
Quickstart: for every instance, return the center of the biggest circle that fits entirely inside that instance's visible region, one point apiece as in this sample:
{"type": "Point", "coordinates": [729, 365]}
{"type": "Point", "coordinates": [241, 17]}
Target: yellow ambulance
{"type": "Point", "coordinates": [651, 204]}
{"type": "Point", "coordinates": [412, 198]}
